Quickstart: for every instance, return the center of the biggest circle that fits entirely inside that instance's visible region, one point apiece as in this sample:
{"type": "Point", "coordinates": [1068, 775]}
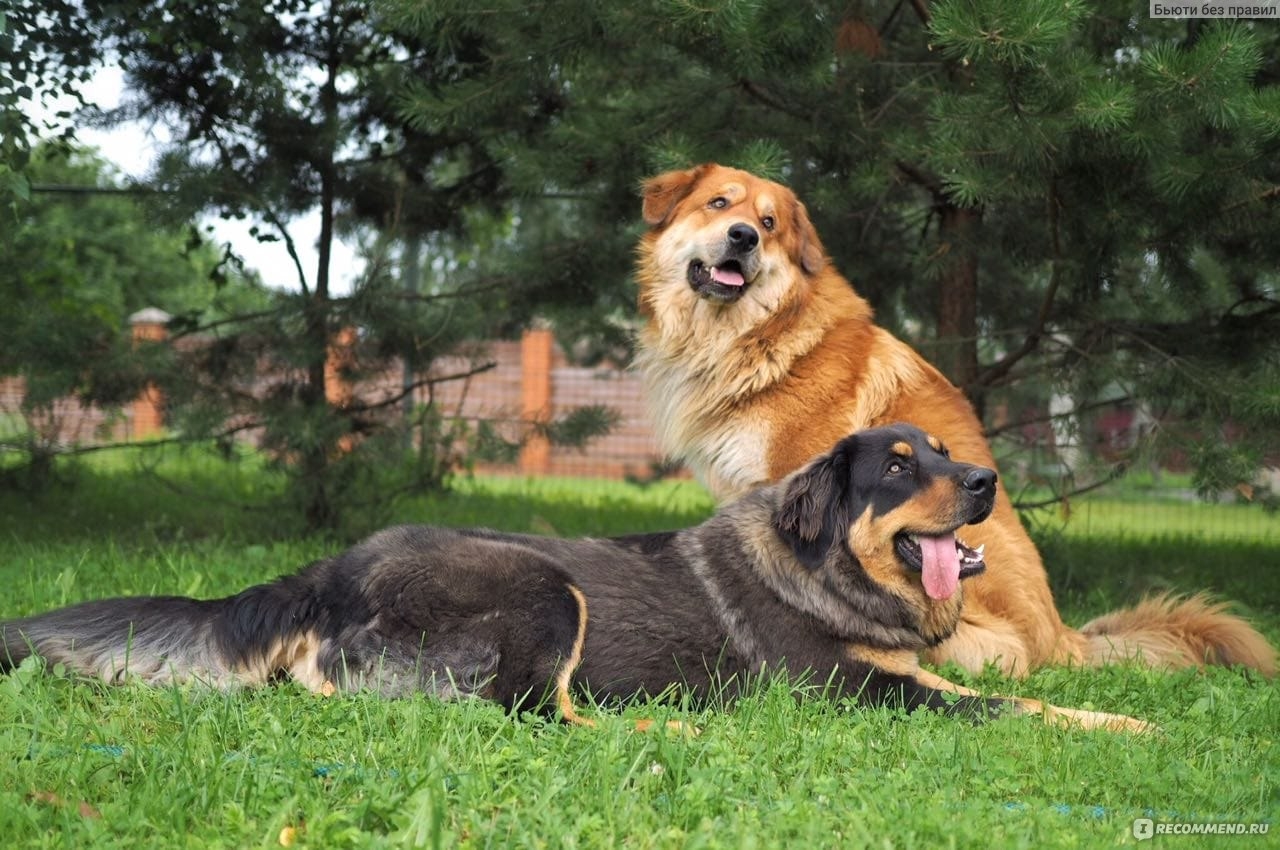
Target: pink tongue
{"type": "Point", "coordinates": [941, 574]}
{"type": "Point", "coordinates": [726, 276]}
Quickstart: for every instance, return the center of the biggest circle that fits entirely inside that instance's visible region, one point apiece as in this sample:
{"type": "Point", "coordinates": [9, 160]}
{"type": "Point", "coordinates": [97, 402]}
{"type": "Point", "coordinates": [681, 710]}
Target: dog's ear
{"type": "Point", "coordinates": [808, 250]}
{"type": "Point", "coordinates": [815, 513]}
{"type": "Point", "coordinates": [662, 193]}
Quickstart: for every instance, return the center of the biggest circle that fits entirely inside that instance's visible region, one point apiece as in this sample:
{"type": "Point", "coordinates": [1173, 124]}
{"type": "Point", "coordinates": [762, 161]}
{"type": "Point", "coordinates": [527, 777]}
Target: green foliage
{"type": "Point", "coordinates": [1009, 33]}
{"type": "Point", "coordinates": [77, 264]}
{"type": "Point", "coordinates": [42, 57]}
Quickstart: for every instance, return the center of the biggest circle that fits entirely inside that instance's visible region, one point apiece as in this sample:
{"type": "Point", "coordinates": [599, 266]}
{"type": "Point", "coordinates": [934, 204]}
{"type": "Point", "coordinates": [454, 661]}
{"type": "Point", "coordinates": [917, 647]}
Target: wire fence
{"type": "Point", "coordinates": [532, 379]}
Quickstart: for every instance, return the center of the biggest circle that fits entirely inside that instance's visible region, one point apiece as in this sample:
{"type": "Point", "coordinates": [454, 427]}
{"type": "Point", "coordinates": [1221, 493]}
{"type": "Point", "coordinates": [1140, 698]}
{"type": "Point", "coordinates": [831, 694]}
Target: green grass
{"type": "Point", "coordinates": [1147, 519]}
{"type": "Point", "coordinates": [83, 765]}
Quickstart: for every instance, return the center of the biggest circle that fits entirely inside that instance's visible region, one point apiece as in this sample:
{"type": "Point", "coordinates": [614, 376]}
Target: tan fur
{"type": "Point", "coordinates": [871, 542]}
{"type": "Point", "coordinates": [564, 676]}
{"type": "Point", "coordinates": [297, 654]}
{"type": "Point", "coordinates": [1052, 714]}
{"type": "Point", "coordinates": [804, 589]}
{"type": "Point", "coordinates": [748, 391]}
{"type": "Point", "coordinates": [564, 681]}
{"type": "Point", "coordinates": [1171, 632]}
{"type": "Point", "coordinates": [900, 662]}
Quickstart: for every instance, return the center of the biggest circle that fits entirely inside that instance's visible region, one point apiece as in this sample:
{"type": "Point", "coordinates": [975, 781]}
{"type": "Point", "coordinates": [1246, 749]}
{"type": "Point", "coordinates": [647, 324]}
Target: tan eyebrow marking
{"type": "Point", "coordinates": [734, 192]}
{"type": "Point", "coordinates": [765, 206]}
{"type": "Point", "coordinates": [903, 449]}
{"type": "Point", "coordinates": [935, 443]}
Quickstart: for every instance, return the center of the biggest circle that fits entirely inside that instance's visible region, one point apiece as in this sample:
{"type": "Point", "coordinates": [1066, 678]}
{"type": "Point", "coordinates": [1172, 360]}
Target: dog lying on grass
{"type": "Point", "coordinates": [847, 570]}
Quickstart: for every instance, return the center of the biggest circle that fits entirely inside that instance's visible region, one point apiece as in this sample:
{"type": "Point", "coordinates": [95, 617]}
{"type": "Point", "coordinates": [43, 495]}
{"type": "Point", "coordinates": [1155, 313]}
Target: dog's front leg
{"type": "Point", "coordinates": [1053, 714]}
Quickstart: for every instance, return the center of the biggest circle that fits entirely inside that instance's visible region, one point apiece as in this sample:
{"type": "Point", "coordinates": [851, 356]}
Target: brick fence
{"type": "Point", "coordinates": [531, 380]}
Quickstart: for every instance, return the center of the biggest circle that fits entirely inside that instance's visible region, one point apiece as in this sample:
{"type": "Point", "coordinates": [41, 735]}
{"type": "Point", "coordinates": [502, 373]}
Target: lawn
{"type": "Point", "coordinates": [83, 765]}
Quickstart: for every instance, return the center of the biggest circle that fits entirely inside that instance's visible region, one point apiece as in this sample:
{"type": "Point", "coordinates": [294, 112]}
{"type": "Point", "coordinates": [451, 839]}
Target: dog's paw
{"type": "Point", "coordinates": [1076, 718]}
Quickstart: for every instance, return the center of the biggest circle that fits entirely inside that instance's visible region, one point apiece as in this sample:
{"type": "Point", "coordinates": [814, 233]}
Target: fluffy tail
{"type": "Point", "coordinates": [1169, 631]}
{"type": "Point", "coordinates": [156, 639]}
{"type": "Point", "coordinates": [241, 640]}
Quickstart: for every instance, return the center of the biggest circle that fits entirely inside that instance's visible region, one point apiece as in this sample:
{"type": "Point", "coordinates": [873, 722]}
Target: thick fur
{"type": "Point", "coordinates": [805, 575]}
{"type": "Point", "coordinates": [747, 383]}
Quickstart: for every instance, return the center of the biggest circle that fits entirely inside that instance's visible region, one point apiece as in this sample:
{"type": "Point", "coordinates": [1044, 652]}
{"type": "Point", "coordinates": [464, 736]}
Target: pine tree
{"type": "Point", "coordinates": [284, 108]}
{"type": "Point", "coordinates": [1047, 196]}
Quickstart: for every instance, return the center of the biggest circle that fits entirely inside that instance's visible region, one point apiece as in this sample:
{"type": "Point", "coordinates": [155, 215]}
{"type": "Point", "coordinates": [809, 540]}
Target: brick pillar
{"type": "Point", "coordinates": [340, 358]}
{"type": "Point", "coordinates": [338, 391]}
{"type": "Point", "coordinates": [535, 397]}
{"type": "Point", "coordinates": [149, 325]}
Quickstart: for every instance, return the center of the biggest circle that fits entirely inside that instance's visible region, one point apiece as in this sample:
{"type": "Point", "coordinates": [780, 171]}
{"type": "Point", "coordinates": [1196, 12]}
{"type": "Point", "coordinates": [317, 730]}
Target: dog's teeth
{"type": "Point", "coordinates": [981, 548]}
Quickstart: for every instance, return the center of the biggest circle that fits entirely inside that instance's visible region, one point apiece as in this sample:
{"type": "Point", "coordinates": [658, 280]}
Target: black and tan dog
{"type": "Point", "coordinates": [847, 570]}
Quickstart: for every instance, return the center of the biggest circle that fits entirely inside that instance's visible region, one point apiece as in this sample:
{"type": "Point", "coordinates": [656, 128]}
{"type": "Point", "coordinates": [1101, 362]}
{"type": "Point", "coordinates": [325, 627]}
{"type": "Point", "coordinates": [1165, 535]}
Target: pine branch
{"type": "Point", "coordinates": [229, 320]}
{"type": "Point", "coordinates": [771, 100]}
{"type": "Point", "coordinates": [1273, 306]}
{"type": "Point", "coordinates": [268, 212]}
{"type": "Point", "coordinates": [890, 20]}
{"type": "Point", "coordinates": [502, 283]}
{"type": "Point", "coordinates": [1115, 473]}
{"type": "Point", "coordinates": [69, 189]}
{"type": "Point", "coordinates": [1079, 409]}
{"type": "Point", "coordinates": [1271, 193]}
{"type": "Point", "coordinates": [409, 388]}
{"type": "Point", "coordinates": [922, 11]}
{"type": "Point", "coordinates": [925, 179]}
{"type": "Point", "coordinates": [1031, 343]}
{"type": "Point", "coordinates": [76, 450]}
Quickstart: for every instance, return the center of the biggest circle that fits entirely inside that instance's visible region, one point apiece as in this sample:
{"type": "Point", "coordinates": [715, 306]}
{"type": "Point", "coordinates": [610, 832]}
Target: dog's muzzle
{"type": "Point", "coordinates": [727, 278]}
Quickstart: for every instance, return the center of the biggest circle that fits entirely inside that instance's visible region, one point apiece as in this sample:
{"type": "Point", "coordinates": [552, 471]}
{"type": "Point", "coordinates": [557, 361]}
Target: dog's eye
{"type": "Point", "coordinates": [767, 221]}
{"type": "Point", "coordinates": [719, 203]}
{"type": "Point", "coordinates": [895, 468]}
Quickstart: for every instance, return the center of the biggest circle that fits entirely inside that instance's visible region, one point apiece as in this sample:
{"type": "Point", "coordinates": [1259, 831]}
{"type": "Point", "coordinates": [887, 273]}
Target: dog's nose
{"type": "Point", "coordinates": [980, 480]}
{"type": "Point", "coordinates": [743, 236]}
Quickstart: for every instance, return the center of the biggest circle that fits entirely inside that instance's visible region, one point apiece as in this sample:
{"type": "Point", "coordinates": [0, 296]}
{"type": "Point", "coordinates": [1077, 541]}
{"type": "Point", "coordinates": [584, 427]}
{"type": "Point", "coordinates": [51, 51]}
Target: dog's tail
{"type": "Point", "coordinates": [239, 640]}
{"type": "Point", "coordinates": [156, 639]}
{"type": "Point", "coordinates": [1171, 631]}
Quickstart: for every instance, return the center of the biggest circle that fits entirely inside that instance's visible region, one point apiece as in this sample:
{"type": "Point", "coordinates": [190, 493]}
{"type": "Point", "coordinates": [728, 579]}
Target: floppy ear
{"type": "Point", "coordinates": [662, 193]}
{"type": "Point", "coordinates": [809, 252]}
{"type": "Point", "coordinates": [815, 514]}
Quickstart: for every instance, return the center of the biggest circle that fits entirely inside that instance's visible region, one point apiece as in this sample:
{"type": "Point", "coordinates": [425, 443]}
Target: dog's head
{"type": "Point", "coordinates": [725, 233]}
{"type": "Point", "coordinates": [891, 499]}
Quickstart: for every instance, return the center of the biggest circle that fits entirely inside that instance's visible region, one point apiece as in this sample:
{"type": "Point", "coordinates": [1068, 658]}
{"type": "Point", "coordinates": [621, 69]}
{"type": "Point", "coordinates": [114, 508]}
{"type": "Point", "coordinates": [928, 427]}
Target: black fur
{"type": "Point", "coordinates": [765, 585]}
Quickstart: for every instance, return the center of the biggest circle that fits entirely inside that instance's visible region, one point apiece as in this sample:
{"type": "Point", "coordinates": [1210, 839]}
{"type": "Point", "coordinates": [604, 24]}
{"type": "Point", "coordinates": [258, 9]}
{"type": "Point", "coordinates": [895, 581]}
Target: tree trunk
{"type": "Point", "coordinates": [317, 454]}
{"type": "Point", "coordinates": [956, 346]}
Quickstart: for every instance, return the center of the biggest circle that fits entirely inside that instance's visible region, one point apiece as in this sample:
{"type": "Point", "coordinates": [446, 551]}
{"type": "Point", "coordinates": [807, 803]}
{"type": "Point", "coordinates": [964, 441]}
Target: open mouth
{"type": "Point", "coordinates": [722, 282]}
{"type": "Point", "coordinates": [941, 559]}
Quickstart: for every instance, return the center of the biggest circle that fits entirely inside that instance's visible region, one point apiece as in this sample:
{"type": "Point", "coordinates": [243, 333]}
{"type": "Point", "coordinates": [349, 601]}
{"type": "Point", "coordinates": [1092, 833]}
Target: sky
{"type": "Point", "coordinates": [133, 148]}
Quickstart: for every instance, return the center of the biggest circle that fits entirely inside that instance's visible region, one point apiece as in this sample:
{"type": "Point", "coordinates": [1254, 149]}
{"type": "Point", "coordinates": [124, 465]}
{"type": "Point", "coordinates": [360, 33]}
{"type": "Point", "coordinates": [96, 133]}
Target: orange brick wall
{"type": "Point", "coordinates": [531, 379]}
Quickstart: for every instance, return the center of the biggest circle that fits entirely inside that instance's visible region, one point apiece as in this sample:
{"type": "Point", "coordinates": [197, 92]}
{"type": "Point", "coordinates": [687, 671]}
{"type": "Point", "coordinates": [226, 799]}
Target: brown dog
{"type": "Point", "coordinates": [758, 354]}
